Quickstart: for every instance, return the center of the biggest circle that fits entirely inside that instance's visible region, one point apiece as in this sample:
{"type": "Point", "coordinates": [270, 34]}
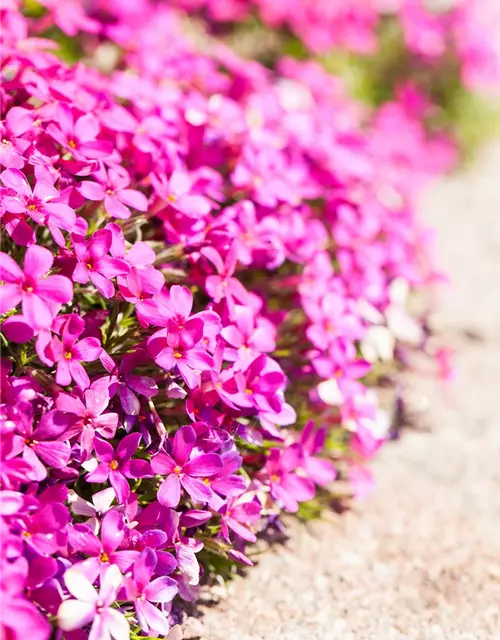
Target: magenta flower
{"type": "Point", "coordinates": [177, 192]}
{"type": "Point", "coordinates": [180, 348]}
{"type": "Point", "coordinates": [18, 121]}
{"type": "Point", "coordinates": [45, 530]}
{"type": "Point", "coordinates": [116, 195]}
{"type": "Point", "coordinates": [249, 336]}
{"type": "Point", "coordinates": [184, 469]}
{"type": "Point", "coordinates": [223, 285]}
{"type": "Point", "coordinates": [117, 465]}
{"type": "Point", "coordinates": [238, 514]}
{"type": "Point", "coordinates": [87, 606]}
{"type": "Point", "coordinates": [101, 503]}
{"type": "Point", "coordinates": [79, 138]}
{"type": "Point", "coordinates": [172, 308]}
{"type": "Point", "coordinates": [39, 294]}
{"type": "Point", "coordinates": [312, 442]}
{"type": "Point", "coordinates": [103, 552]}
{"type": "Point", "coordinates": [69, 353]}
{"type": "Point", "coordinates": [285, 484]}
{"type": "Point", "coordinates": [38, 203]}
{"type": "Point", "coordinates": [90, 415]}
{"type": "Point", "coordinates": [258, 385]}
{"type": "Point", "coordinates": [95, 264]}
{"type": "Point", "coordinates": [45, 442]}
{"type": "Point", "coordinates": [143, 592]}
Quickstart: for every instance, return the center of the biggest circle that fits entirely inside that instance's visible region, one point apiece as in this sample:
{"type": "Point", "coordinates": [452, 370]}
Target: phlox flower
{"type": "Point", "coordinates": [78, 137]}
{"type": "Point", "coordinates": [183, 469]}
{"type": "Point", "coordinates": [181, 349]}
{"type": "Point", "coordinates": [113, 190]}
{"type": "Point", "coordinates": [38, 203]}
{"type": "Point", "coordinates": [18, 121]}
{"type": "Point", "coordinates": [39, 294]}
{"type": "Point", "coordinates": [89, 606]}
{"type": "Point", "coordinates": [95, 264]}
{"type": "Point", "coordinates": [68, 352]}
{"type": "Point", "coordinates": [46, 442]}
{"type": "Point", "coordinates": [285, 483]}
{"type": "Point", "coordinates": [89, 415]}
{"type": "Point", "coordinates": [145, 592]}
{"type": "Point", "coordinates": [105, 551]}
{"type": "Point", "coordinates": [117, 465]}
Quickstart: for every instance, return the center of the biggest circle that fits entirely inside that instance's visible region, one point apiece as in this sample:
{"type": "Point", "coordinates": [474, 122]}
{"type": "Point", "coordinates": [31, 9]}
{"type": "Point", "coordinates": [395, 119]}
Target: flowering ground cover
{"type": "Point", "coordinates": [205, 265]}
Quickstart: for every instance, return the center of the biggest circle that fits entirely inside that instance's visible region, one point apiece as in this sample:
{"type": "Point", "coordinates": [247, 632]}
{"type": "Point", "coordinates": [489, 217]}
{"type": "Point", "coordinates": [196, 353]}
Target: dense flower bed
{"type": "Point", "coordinates": [202, 263]}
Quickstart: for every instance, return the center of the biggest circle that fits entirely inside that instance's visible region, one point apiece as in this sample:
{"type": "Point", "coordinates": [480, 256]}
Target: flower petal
{"type": "Point", "coordinates": [205, 465]}
{"type": "Point", "coordinates": [73, 614]}
{"type": "Point", "coordinates": [169, 493]}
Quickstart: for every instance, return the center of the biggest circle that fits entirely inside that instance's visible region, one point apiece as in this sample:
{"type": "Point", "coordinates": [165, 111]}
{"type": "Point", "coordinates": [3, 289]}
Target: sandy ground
{"type": "Point", "coordinates": [421, 557]}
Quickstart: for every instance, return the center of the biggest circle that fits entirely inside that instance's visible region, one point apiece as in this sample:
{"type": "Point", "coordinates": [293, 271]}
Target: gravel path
{"type": "Point", "coordinates": [421, 558]}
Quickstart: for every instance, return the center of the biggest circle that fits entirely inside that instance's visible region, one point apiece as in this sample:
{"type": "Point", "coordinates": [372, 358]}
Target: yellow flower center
{"type": "Point", "coordinates": [104, 557]}
{"type": "Point", "coordinates": [177, 355]}
{"type": "Point", "coordinates": [177, 470]}
{"type": "Point", "coordinates": [72, 144]}
{"type": "Point", "coordinates": [114, 464]}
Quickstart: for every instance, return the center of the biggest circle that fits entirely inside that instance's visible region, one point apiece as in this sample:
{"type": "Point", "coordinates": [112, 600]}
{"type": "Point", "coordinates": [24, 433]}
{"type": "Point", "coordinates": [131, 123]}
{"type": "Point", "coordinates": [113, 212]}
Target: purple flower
{"type": "Point", "coordinates": [129, 386]}
{"type": "Point", "coordinates": [69, 352]}
{"type": "Point", "coordinates": [117, 465]}
{"type": "Point", "coordinates": [143, 592]}
{"type": "Point", "coordinates": [94, 263]}
{"type": "Point", "coordinates": [40, 296]}
{"type": "Point", "coordinates": [113, 190]}
{"type": "Point", "coordinates": [88, 606]}
{"type": "Point", "coordinates": [184, 469]}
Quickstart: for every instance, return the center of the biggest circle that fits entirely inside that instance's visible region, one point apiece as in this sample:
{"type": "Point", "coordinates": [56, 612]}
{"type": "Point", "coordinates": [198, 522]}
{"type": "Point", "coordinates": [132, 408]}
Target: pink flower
{"type": "Point", "coordinates": [184, 469]}
{"type": "Point", "coordinates": [79, 138]}
{"type": "Point", "coordinates": [117, 465]}
{"type": "Point", "coordinates": [176, 191]}
{"type": "Point", "coordinates": [94, 263]}
{"type": "Point", "coordinates": [224, 285]}
{"type": "Point", "coordinates": [88, 606]}
{"type": "Point", "coordinates": [18, 121]}
{"type": "Point", "coordinates": [113, 190]}
{"type": "Point", "coordinates": [40, 295]}
{"type": "Point", "coordinates": [45, 441]}
{"type": "Point", "coordinates": [38, 204]}
{"type": "Point", "coordinates": [90, 413]}
{"type": "Point", "coordinates": [69, 352]}
{"type": "Point", "coordinates": [286, 485]}
{"type": "Point", "coordinates": [181, 349]}
{"type": "Point", "coordinates": [143, 592]}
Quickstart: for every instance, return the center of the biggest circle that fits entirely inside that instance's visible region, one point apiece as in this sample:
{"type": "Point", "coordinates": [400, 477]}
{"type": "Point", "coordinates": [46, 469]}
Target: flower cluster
{"type": "Point", "coordinates": [429, 30]}
{"type": "Point", "coordinates": [201, 262]}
